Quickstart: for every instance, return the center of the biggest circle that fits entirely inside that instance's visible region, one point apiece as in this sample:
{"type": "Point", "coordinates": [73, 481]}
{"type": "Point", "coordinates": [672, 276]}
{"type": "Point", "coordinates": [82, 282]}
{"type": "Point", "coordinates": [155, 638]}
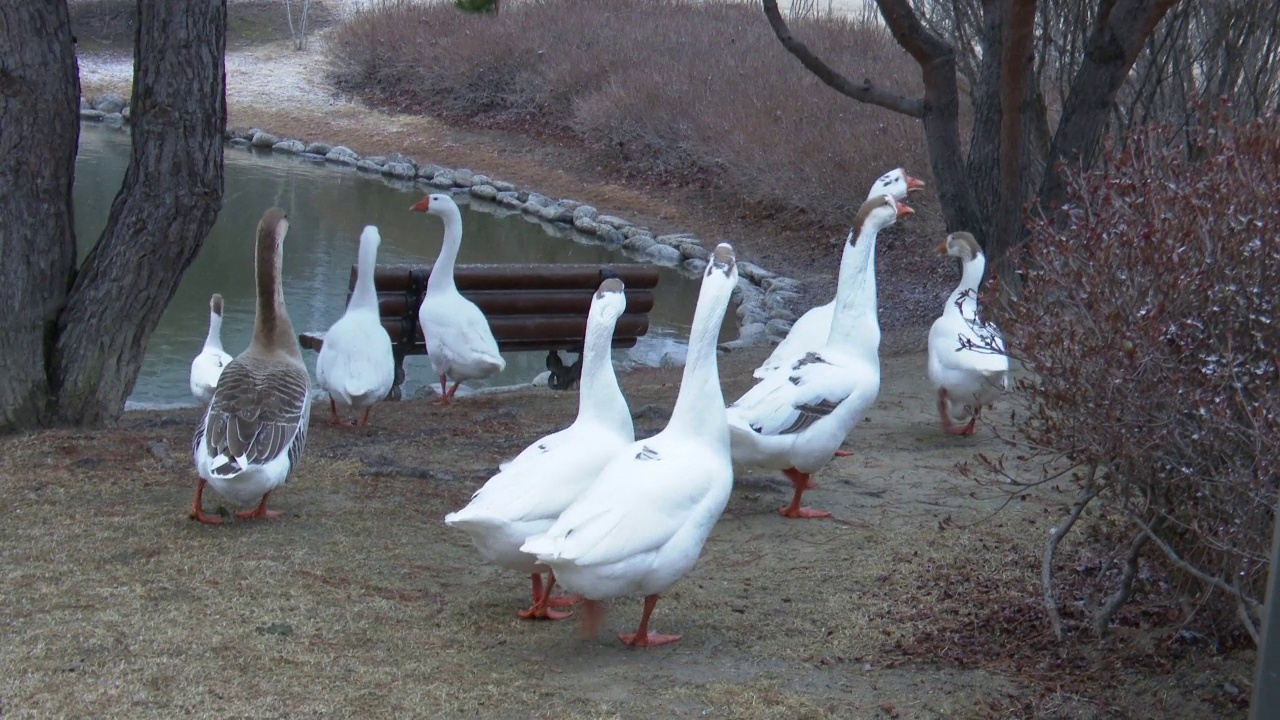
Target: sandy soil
{"type": "Point", "coordinates": [917, 600]}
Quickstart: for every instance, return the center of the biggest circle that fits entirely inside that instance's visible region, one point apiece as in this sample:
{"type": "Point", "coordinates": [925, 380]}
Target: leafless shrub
{"type": "Point", "coordinates": [669, 91]}
{"type": "Point", "coordinates": [1148, 319]}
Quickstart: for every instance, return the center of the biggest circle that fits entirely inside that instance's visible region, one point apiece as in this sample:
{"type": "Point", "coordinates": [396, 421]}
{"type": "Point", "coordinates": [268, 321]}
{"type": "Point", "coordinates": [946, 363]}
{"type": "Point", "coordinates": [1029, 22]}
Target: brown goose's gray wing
{"type": "Point", "coordinates": [258, 411]}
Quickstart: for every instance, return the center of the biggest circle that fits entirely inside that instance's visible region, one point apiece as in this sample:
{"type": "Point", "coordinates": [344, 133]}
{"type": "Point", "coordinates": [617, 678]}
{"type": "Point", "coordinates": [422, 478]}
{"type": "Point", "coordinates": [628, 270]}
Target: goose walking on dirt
{"type": "Point", "coordinates": [967, 364]}
{"type": "Point", "coordinates": [208, 365]}
{"type": "Point", "coordinates": [356, 365]}
{"type": "Point", "coordinates": [460, 344]}
{"type": "Point", "coordinates": [255, 428]}
{"type": "Point", "coordinates": [641, 526]}
{"type": "Point", "coordinates": [530, 491]}
{"type": "Point", "coordinates": [795, 419]}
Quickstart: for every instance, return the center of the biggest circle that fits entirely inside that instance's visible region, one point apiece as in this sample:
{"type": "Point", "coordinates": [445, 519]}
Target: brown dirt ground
{"type": "Point", "coordinates": [360, 602]}
{"type": "Point", "coordinates": [915, 601]}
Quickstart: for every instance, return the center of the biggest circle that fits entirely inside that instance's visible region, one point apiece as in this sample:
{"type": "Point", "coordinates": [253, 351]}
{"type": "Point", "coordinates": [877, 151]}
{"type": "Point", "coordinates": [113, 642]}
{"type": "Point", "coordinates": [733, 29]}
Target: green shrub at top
{"type": "Point", "coordinates": [1149, 322]}
{"type": "Point", "coordinates": [669, 91]}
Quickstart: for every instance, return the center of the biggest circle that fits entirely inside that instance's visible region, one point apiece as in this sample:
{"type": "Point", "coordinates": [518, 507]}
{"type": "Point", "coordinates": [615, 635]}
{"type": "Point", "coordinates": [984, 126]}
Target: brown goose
{"type": "Point", "coordinates": [256, 425]}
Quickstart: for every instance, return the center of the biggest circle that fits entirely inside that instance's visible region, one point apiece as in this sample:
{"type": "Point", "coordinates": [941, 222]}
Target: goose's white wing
{"type": "Point", "coordinates": [790, 400]}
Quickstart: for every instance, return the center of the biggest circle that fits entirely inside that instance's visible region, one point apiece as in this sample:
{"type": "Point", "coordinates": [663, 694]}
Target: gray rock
{"type": "Point", "coordinates": [664, 254]}
{"type": "Point", "coordinates": [586, 225]}
{"type": "Point", "coordinates": [289, 147]}
{"type": "Point", "coordinates": [782, 314]}
{"type": "Point", "coordinates": [378, 160]}
{"type": "Point", "coordinates": [396, 157]}
{"type": "Point", "coordinates": [778, 300]}
{"type": "Point", "coordinates": [555, 213]}
{"type": "Point", "coordinates": [248, 134]}
{"type": "Point", "coordinates": [749, 335]}
{"type": "Point", "coordinates": [464, 178]}
{"type": "Point", "coordinates": [694, 250]}
{"type": "Point", "coordinates": [485, 192]}
{"type": "Point", "coordinates": [264, 140]}
{"type": "Point", "coordinates": [753, 272]}
{"type": "Point", "coordinates": [430, 170]}
{"type": "Point", "coordinates": [342, 155]}
{"type": "Point", "coordinates": [238, 142]}
{"type": "Point", "coordinates": [109, 103]}
{"type": "Point", "coordinates": [534, 198]}
{"type": "Point", "coordinates": [113, 119]}
{"type": "Point", "coordinates": [695, 265]}
{"type": "Point", "coordinates": [318, 148]}
{"type": "Point", "coordinates": [92, 114]}
{"type": "Point", "coordinates": [639, 244]}
{"type": "Point", "coordinates": [313, 157]}
{"type": "Point", "coordinates": [510, 199]}
{"type": "Point", "coordinates": [126, 112]}
{"type": "Point", "coordinates": [402, 170]}
{"type": "Point", "coordinates": [570, 204]}
{"type": "Point", "coordinates": [480, 180]}
{"type": "Point", "coordinates": [609, 235]}
{"type": "Point", "coordinates": [612, 221]}
{"type": "Point", "coordinates": [585, 211]}
{"type": "Point", "coordinates": [367, 165]}
{"type": "Point", "coordinates": [777, 327]}
{"type": "Point", "coordinates": [781, 284]}
{"type": "Point", "coordinates": [632, 231]}
{"type": "Point", "coordinates": [443, 179]}
{"type": "Point", "coordinates": [502, 185]}
{"type": "Point", "coordinates": [676, 239]}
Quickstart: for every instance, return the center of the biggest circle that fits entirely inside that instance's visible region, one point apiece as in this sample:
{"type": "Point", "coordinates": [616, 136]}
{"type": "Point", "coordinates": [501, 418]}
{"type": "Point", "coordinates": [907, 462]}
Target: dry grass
{"type": "Point", "coordinates": [673, 92]}
{"type": "Point", "coordinates": [361, 603]}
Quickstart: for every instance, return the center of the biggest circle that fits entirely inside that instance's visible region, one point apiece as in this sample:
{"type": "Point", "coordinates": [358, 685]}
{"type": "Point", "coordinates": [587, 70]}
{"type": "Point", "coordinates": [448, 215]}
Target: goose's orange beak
{"type": "Point", "coordinates": [422, 205]}
{"type": "Point", "coordinates": [903, 210]}
{"type": "Point", "coordinates": [914, 184]}
{"type": "Point", "coordinates": [942, 248]}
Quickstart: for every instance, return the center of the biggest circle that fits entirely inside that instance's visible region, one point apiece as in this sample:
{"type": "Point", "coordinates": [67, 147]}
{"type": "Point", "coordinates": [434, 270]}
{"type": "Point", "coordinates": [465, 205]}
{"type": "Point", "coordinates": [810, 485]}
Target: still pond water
{"type": "Point", "coordinates": [327, 209]}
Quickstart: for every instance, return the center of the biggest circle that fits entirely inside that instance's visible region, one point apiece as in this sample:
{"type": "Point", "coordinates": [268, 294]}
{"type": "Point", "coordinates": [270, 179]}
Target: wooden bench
{"type": "Point", "coordinates": [529, 307]}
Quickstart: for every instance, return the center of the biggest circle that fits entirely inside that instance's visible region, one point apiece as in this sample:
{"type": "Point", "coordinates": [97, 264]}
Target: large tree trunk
{"type": "Point", "coordinates": [39, 130]}
{"type": "Point", "coordinates": [172, 193]}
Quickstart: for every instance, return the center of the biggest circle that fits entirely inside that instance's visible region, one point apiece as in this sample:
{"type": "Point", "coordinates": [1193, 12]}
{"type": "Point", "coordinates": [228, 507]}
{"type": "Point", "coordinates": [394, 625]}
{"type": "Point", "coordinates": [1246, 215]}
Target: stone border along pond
{"type": "Point", "coordinates": [763, 297]}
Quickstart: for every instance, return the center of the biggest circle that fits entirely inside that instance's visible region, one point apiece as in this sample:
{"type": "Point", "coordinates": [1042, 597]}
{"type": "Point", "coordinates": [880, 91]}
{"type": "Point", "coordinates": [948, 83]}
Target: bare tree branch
{"type": "Point", "coordinates": [1086, 494]}
{"type": "Point", "coordinates": [866, 91]}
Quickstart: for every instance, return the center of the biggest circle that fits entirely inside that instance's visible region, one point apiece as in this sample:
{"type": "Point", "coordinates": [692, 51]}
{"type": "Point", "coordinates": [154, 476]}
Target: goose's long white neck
{"type": "Point", "coordinates": [213, 340]}
{"type": "Point", "coordinates": [365, 295]}
{"type": "Point", "coordinates": [699, 409]}
{"type": "Point", "coordinates": [441, 278]}
{"type": "Point", "coordinates": [856, 291]}
{"type": "Point", "coordinates": [600, 399]}
{"type": "Point", "coordinates": [966, 293]}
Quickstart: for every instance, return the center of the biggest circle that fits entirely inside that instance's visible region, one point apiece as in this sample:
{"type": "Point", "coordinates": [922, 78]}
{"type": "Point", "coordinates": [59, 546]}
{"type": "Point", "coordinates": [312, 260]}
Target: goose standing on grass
{"type": "Point", "coordinates": [459, 342]}
{"type": "Point", "coordinates": [256, 424]}
{"type": "Point", "coordinates": [642, 524]}
{"type": "Point", "coordinates": [356, 366]}
{"type": "Point", "coordinates": [531, 491]}
{"type": "Point", "coordinates": [966, 360]}
{"type": "Point", "coordinates": [811, 329]}
{"type": "Point", "coordinates": [207, 366]}
{"type": "Point", "coordinates": [795, 419]}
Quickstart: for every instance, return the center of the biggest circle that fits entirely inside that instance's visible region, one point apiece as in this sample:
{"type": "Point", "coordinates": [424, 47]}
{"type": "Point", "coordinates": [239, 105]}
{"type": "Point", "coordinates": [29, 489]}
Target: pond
{"type": "Point", "coordinates": [328, 206]}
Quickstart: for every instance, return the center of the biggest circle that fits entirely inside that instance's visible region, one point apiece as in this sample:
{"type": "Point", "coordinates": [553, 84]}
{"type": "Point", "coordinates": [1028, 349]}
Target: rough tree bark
{"type": "Point", "coordinates": [81, 334]}
{"type": "Point", "coordinates": [39, 131]}
{"type": "Point", "coordinates": [986, 194]}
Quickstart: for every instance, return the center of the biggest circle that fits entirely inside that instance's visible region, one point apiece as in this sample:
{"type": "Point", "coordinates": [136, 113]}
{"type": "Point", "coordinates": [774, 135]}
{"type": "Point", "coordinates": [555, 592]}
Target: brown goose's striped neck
{"type": "Point", "coordinates": [272, 331]}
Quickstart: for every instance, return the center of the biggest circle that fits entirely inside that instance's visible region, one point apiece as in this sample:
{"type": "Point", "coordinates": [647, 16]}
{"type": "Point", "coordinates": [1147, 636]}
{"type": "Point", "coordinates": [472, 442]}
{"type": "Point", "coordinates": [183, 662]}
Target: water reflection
{"type": "Point", "coordinates": [327, 209]}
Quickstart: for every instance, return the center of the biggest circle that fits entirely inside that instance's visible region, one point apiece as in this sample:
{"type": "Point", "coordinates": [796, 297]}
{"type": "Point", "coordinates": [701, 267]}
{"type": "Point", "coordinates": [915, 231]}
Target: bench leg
{"type": "Point", "coordinates": [394, 393]}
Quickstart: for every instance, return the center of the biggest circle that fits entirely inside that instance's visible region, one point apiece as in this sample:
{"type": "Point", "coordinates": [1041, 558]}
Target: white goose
{"type": "Point", "coordinates": [356, 366]}
{"type": "Point", "coordinates": [207, 366]}
{"type": "Point", "coordinates": [531, 491]}
{"type": "Point", "coordinates": [255, 427]}
{"type": "Point", "coordinates": [460, 344]}
{"type": "Point", "coordinates": [795, 419]}
{"type": "Point", "coordinates": [812, 327]}
{"type": "Point", "coordinates": [642, 524]}
{"type": "Point", "coordinates": [965, 362]}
